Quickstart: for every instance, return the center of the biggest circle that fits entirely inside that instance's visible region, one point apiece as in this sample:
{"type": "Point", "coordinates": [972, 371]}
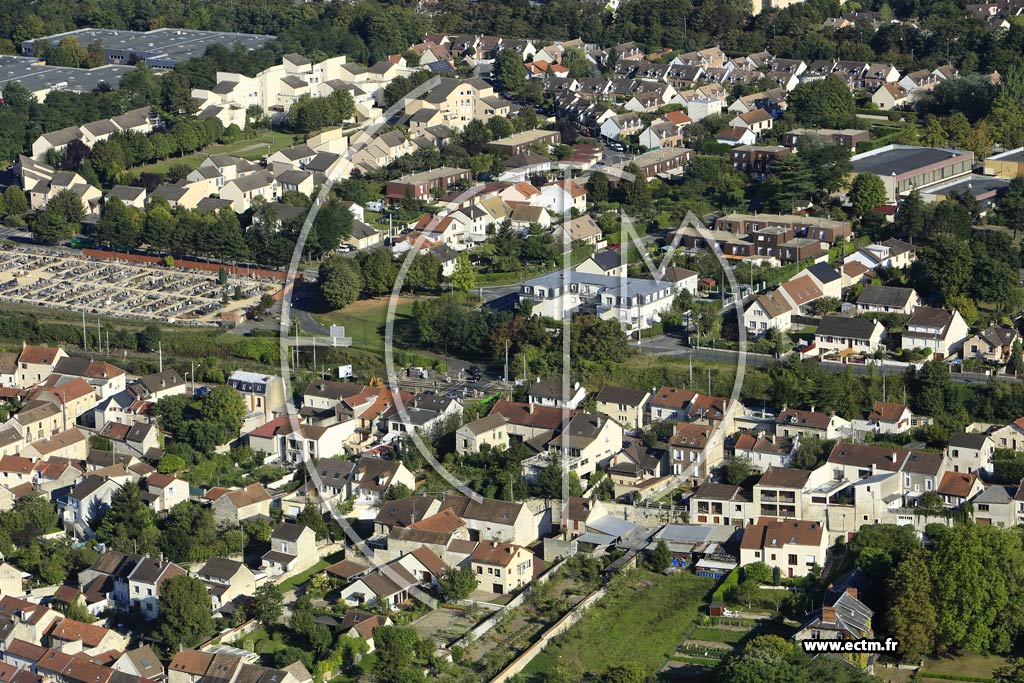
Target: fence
{"type": "Point", "coordinates": [556, 629]}
{"type": "Point", "coordinates": [490, 622]}
{"type": "Point", "coordinates": [190, 265]}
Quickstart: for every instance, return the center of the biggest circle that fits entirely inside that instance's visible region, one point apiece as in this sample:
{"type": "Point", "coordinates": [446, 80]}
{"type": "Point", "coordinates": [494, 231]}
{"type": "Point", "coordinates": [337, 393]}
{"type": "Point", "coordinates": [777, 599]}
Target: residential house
{"type": "Point", "coordinates": [1010, 436]}
{"type": "Point", "coordinates": [552, 394]}
{"type": "Point", "coordinates": [693, 453]}
{"type": "Point", "coordinates": [994, 343]}
{"type": "Point", "coordinates": [36, 363]}
{"type": "Point", "coordinates": [292, 549]}
{"type": "Point", "coordinates": [942, 331]}
{"type": "Point", "coordinates": [811, 423]}
{"type": "Point", "coordinates": [608, 263]}
{"type": "Point", "coordinates": [882, 299]}
{"type": "Point", "coordinates": [795, 547]}
{"type": "Point", "coordinates": [388, 587]}
{"type": "Point", "coordinates": [403, 512]}
{"type": "Point", "coordinates": [892, 253]}
{"type": "Point", "coordinates": [636, 464]}
{"type": "Point", "coordinates": [842, 617]}
{"type": "Point", "coordinates": [723, 504]}
{"type": "Point", "coordinates": [497, 520]}
{"type": "Point", "coordinates": [628, 407]}
{"type": "Point", "coordinates": [956, 488]}
{"type": "Point", "coordinates": [144, 583]}
{"type": "Point", "coordinates": [886, 418]}
{"type": "Point", "coordinates": [584, 442]}
{"type": "Point", "coordinates": [141, 662]}
{"type": "Point", "coordinates": [757, 121]}
{"type": "Point", "coordinates": [970, 452]}
{"type": "Point", "coordinates": [845, 336]}
{"type": "Point", "coordinates": [164, 491]}
{"type": "Point", "coordinates": [87, 502]}
{"type": "Point", "coordinates": [997, 505]}
{"type": "Point", "coordinates": [234, 506]}
{"type": "Point", "coordinates": [226, 580]}
{"type": "Point", "coordinates": [159, 385]}
{"type": "Point", "coordinates": [734, 136]}
{"type": "Point", "coordinates": [491, 430]}
{"type": "Point", "coordinates": [580, 230]}
{"type": "Point", "coordinates": [501, 568]}
{"type": "Point", "coordinates": [764, 450]}
{"type": "Point", "coordinates": [287, 440]}
{"type": "Point", "coordinates": [771, 311]}
{"type": "Point", "coordinates": [891, 96]}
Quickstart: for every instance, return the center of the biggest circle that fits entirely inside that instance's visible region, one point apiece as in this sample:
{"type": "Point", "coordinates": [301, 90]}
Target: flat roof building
{"type": "Point", "coordinates": [161, 48]}
{"type": "Point", "coordinates": [903, 168]}
{"type": "Point", "coordinates": [1009, 164]}
{"type": "Point", "coordinates": [39, 78]}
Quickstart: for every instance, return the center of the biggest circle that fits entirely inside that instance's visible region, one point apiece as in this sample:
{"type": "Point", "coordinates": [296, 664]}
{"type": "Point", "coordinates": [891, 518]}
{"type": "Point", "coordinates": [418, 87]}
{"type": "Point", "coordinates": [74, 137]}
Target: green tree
{"type": "Point", "coordinates": [1011, 672]}
{"type": "Point", "coordinates": [912, 217]}
{"type": "Point", "coordinates": [129, 526]}
{"type": "Point", "coordinates": [911, 616]}
{"type": "Point", "coordinates": [577, 62]}
{"type": "Point", "coordinates": [398, 491]}
{"type": "Point", "coordinates": [314, 519]}
{"type": "Point", "coordinates": [184, 606]}
{"type": "Point", "coordinates": [1015, 365]}
{"type": "Point", "coordinates": [824, 103]}
{"type": "Point", "coordinates": [14, 200]}
{"type": "Point", "coordinates": [968, 596]}
{"type": "Point", "coordinates": [396, 654]}
{"type": "Point", "coordinates": [660, 558]}
{"type": "Point", "coordinates": [464, 277]}
{"type": "Point", "coordinates": [339, 281]}
{"type": "Point", "coordinates": [267, 603]}
{"type": "Point", "coordinates": [946, 267]}
{"type": "Point", "coordinates": [635, 191]}
{"type": "Point", "coordinates": [424, 273]}
{"type": "Point", "coordinates": [119, 224]}
{"type": "Point", "coordinates": [457, 584]}
{"type": "Point", "coordinates": [509, 72]}
{"type": "Point", "coordinates": [791, 183]}
{"type": "Point", "coordinates": [1010, 205]}
{"type": "Point", "coordinates": [737, 470]}
{"type": "Point", "coordinates": [867, 192]}
{"type": "Point", "coordinates": [597, 187]}
{"type": "Point", "coordinates": [379, 272]}
{"type": "Point", "coordinates": [828, 164]}
{"type": "Point", "coordinates": [629, 672]}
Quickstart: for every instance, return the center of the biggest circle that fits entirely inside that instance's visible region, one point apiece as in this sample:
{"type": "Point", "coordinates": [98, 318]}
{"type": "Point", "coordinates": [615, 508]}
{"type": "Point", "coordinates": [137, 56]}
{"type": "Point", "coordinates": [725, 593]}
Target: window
{"type": "Point", "coordinates": [792, 559]}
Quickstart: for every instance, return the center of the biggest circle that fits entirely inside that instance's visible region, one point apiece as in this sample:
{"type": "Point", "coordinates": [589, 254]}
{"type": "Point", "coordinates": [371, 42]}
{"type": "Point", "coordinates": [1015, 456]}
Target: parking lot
{"type": "Point", "coordinates": [73, 282]}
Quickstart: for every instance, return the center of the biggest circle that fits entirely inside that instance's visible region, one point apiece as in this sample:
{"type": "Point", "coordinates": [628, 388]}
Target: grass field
{"type": "Point", "coordinates": [364, 320]}
{"type": "Point", "coordinates": [966, 664]}
{"type": "Point", "coordinates": [299, 579]}
{"type": "Point", "coordinates": [253, 149]}
{"type": "Point", "coordinates": [634, 622]}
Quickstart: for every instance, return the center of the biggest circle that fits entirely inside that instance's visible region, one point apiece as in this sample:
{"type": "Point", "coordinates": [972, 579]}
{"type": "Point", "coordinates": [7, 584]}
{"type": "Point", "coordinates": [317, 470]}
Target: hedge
{"type": "Point", "coordinates": [733, 579]}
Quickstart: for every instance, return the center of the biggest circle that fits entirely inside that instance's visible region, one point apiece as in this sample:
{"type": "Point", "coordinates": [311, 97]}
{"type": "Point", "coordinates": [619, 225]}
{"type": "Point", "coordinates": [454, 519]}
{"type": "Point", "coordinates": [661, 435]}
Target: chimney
{"type": "Point", "coordinates": [532, 405]}
{"type": "Point", "coordinates": [494, 544]}
{"type": "Point", "coordinates": [812, 408]}
{"type": "Point", "coordinates": [894, 456]}
{"type": "Point", "coordinates": [852, 592]}
{"type": "Point", "coordinates": [828, 615]}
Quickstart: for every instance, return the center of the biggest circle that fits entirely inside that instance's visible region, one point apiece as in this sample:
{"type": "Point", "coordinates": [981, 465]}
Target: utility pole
{"type": "Point", "coordinates": [85, 336]}
{"type": "Point", "coordinates": [160, 352]}
{"type": "Point", "coordinates": [506, 361]}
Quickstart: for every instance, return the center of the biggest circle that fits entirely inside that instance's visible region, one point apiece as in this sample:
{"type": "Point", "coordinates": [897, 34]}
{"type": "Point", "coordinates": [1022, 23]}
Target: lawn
{"type": "Point", "coordinates": [643, 619]}
{"type": "Point", "coordinates": [299, 579]}
{"type": "Point", "coordinates": [256, 148]}
{"type": "Point", "coordinates": [965, 665]}
{"type": "Point", "coordinates": [364, 320]}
